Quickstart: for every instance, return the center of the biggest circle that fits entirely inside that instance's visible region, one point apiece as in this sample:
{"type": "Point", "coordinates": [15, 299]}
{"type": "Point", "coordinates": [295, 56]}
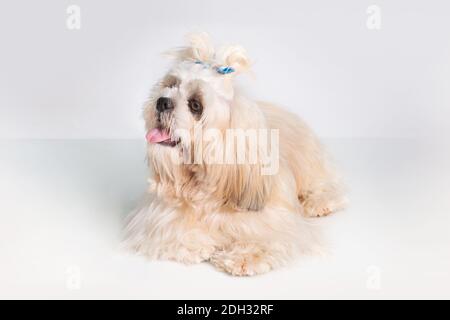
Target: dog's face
{"type": "Point", "coordinates": [191, 95]}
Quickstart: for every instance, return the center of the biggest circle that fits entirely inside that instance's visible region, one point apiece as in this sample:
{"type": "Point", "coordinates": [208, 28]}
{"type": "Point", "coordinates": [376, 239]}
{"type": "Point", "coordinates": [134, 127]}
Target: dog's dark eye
{"type": "Point", "coordinates": [195, 106]}
{"type": "Point", "coordinates": [171, 82]}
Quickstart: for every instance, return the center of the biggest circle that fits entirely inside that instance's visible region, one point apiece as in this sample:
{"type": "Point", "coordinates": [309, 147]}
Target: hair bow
{"type": "Point", "coordinates": [219, 69]}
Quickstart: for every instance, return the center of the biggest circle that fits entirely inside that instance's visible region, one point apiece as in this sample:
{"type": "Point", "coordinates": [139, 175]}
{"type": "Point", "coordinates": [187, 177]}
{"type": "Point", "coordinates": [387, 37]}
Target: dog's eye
{"type": "Point", "coordinates": [171, 82]}
{"type": "Point", "coordinates": [195, 106]}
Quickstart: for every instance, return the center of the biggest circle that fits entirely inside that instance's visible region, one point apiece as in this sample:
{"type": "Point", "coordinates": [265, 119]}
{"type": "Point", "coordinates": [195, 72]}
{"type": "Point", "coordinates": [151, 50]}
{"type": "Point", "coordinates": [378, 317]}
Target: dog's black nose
{"type": "Point", "coordinates": [164, 104]}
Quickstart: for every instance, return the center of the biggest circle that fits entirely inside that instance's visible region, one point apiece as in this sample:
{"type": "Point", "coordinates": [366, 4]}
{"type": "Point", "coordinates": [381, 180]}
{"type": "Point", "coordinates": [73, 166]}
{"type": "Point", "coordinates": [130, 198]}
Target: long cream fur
{"type": "Point", "coordinates": [231, 215]}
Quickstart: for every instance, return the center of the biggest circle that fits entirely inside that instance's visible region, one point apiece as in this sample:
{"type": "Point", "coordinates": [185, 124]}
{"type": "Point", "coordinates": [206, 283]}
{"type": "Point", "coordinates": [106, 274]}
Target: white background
{"type": "Point", "coordinates": [315, 57]}
{"type": "Point", "coordinates": [380, 99]}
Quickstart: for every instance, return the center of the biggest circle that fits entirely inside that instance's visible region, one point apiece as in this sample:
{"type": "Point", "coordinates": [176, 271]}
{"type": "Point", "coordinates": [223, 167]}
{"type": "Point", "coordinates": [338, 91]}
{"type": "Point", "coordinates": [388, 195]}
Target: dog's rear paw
{"type": "Point", "coordinates": [318, 212]}
{"type": "Point", "coordinates": [323, 204]}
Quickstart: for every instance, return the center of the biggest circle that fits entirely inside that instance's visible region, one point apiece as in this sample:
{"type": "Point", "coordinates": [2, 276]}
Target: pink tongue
{"type": "Point", "coordinates": [157, 135]}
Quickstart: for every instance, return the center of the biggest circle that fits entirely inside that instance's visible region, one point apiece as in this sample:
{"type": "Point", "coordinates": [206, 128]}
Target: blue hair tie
{"type": "Point", "coordinates": [225, 70]}
{"type": "Point", "coordinates": [221, 69]}
{"type": "Point", "coordinates": [204, 64]}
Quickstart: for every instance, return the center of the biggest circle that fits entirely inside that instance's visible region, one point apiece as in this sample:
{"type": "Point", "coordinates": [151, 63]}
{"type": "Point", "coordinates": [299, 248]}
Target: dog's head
{"type": "Point", "coordinates": [197, 91]}
{"type": "Point", "coordinates": [198, 95]}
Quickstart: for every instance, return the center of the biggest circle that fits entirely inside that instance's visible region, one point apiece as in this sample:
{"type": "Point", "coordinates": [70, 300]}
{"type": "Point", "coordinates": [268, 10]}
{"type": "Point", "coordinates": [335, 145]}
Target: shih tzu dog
{"type": "Point", "coordinates": [234, 181]}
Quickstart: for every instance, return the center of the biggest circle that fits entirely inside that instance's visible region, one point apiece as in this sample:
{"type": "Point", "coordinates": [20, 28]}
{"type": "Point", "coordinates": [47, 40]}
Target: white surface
{"type": "Point", "coordinates": [63, 203]}
{"type": "Point", "coordinates": [317, 58]}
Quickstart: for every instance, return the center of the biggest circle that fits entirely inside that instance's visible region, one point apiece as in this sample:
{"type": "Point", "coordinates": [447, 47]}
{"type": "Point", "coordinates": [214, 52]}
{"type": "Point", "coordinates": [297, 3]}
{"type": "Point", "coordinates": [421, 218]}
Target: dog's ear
{"type": "Point", "coordinates": [241, 184]}
{"type": "Point", "coordinates": [235, 57]}
{"type": "Point", "coordinates": [199, 48]}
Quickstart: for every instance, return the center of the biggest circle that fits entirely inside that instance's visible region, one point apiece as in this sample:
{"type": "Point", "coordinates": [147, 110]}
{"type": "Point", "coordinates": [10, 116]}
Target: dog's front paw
{"type": "Point", "coordinates": [187, 255]}
{"type": "Point", "coordinates": [240, 261]}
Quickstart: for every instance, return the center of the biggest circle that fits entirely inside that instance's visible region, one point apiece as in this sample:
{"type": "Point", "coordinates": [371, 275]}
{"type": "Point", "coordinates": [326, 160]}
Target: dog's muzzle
{"type": "Point", "coordinates": [164, 104]}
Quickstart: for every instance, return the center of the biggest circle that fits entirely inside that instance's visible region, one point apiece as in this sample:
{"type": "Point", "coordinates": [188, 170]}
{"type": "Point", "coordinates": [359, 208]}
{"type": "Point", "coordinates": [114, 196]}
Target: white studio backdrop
{"type": "Point", "coordinates": [319, 59]}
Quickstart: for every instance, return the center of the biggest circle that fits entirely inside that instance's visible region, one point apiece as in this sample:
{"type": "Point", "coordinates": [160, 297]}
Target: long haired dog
{"type": "Point", "coordinates": [234, 180]}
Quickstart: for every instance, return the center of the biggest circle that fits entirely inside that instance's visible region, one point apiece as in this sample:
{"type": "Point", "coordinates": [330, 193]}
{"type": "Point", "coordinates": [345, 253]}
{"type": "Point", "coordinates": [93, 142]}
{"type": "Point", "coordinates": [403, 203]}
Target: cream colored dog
{"type": "Point", "coordinates": [234, 180]}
